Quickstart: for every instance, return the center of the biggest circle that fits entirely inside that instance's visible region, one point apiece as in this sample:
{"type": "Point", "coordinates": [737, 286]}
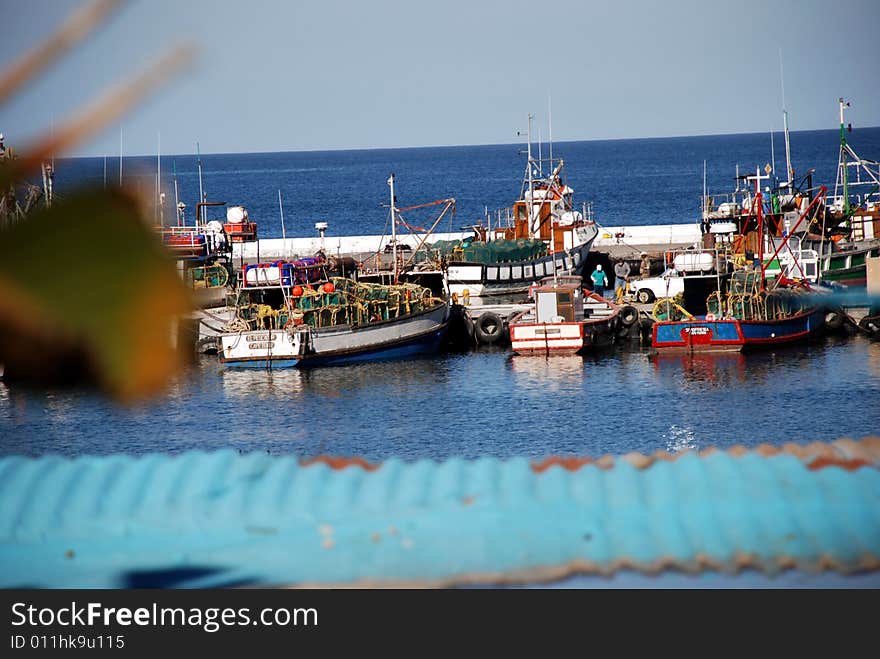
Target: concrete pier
{"type": "Point", "coordinates": [626, 242]}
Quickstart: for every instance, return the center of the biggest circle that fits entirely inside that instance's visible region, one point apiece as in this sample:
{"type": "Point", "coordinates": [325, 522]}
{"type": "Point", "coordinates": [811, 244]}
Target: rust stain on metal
{"type": "Point", "coordinates": [569, 463]}
{"type": "Point", "coordinates": [339, 463]}
{"type": "Point", "coordinates": [824, 461]}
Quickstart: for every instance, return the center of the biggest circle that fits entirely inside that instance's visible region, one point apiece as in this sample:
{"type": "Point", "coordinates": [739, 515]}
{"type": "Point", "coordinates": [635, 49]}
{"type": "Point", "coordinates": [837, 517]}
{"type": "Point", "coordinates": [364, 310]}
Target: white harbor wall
{"type": "Point", "coordinates": [657, 234]}
{"type": "Point", "coordinates": [286, 248]}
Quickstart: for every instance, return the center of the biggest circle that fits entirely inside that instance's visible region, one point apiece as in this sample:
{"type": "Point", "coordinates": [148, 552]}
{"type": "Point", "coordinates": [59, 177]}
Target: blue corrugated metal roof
{"type": "Point", "coordinates": [223, 518]}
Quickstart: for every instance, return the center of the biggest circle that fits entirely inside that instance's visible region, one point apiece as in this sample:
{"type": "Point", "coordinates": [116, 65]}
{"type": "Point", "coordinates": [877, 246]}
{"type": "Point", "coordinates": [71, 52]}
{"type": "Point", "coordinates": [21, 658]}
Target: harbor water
{"type": "Point", "coordinates": [483, 403]}
{"type": "Point", "coordinates": [486, 402]}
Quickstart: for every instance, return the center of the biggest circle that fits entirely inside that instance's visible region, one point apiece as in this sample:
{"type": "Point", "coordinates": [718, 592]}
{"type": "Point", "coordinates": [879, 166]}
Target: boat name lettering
{"type": "Point", "coordinates": [548, 330]}
{"type": "Point", "coordinates": [261, 346]}
{"type": "Point", "coordinates": [696, 330]}
{"type": "Point", "coordinates": [260, 337]}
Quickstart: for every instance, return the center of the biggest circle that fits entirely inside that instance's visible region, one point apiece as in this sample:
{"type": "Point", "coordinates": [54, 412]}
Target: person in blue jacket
{"type": "Point", "coordinates": [600, 281]}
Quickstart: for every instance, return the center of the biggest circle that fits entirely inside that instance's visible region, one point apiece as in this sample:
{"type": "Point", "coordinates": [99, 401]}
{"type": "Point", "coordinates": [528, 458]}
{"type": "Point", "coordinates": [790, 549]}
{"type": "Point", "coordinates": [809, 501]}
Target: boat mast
{"type": "Point", "coordinates": [283, 235]}
{"type": "Point", "coordinates": [201, 190]}
{"type": "Point", "coordinates": [758, 204]}
{"type": "Point", "coordinates": [393, 227]}
{"type": "Point", "coordinates": [550, 126]}
{"type": "Point", "coordinates": [705, 193]}
{"type": "Point", "coordinates": [842, 163]}
{"type": "Point", "coordinates": [789, 172]}
{"type": "Point", "coordinates": [176, 192]}
{"type": "Point", "coordinates": [531, 182]}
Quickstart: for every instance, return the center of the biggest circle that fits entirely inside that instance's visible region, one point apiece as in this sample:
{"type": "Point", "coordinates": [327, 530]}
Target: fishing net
{"type": "Point", "coordinates": [348, 303]}
{"type": "Point", "coordinates": [496, 251]}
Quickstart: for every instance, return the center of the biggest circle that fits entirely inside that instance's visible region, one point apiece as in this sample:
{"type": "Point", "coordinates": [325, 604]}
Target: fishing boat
{"type": "Point", "coordinates": [542, 236]}
{"type": "Point", "coordinates": [751, 310]}
{"type": "Point", "coordinates": [567, 320]}
{"type": "Point", "coordinates": [341, 321]}
{"type": "Point", "coordinates": [732, 334]}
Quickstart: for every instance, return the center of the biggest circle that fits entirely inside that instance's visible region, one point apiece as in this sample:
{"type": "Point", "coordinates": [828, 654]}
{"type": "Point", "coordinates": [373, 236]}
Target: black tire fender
{"type": "Point", "coordinates": [488, 328]}
{"type": "Point", "coordinates": [629, 315]}
{"type": "Point", "coordinates": [833, 319]}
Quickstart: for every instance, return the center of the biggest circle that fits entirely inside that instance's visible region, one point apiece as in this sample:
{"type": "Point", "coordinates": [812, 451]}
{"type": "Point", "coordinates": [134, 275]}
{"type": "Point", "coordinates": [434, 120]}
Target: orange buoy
{"type": "Point", "coordinates": [296, 291]}
{"type": "Point", "coordinates": [329, 287]}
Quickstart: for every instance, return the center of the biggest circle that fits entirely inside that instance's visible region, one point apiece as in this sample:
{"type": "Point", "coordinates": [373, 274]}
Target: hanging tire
{"type": "Point", "coordinates": [870, 325]}
{"type": "Point", "coordinates": [646, 329]}
{"type": "Point", "coordinates": [834, 319]}
{"type": "Point", "coordinates": [488, 328]}
{"type": "Point", "coordinates": [208, 346]}
{"type": "Point", "coordinates": [629, 315]}
{"type": "Point", "coordinates": [645, 296]}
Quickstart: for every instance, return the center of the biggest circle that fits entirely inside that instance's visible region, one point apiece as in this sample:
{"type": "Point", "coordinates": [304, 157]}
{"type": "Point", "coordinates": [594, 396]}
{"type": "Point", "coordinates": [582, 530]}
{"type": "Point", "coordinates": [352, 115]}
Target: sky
{"type": "Point", "coordinates": [290, 75]}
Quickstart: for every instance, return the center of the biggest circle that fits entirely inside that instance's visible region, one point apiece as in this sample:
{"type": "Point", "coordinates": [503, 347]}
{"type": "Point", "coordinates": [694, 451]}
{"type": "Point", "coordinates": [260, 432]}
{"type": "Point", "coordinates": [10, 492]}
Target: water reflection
{"type": "Point", "coordinates": [261, 384]}
{"type": "Point", "coordinates": [546, 374]}
{"type": "Point", "coordinates": [680, 438]}
{"type": "Point", "coordinates": [715, 370]}
{"type": "Point", "coordinates": [331, 382]}
{"type": "Point", "coordinates": [723, 369]}
{"type": "Point", "coordinates": [873, 358]}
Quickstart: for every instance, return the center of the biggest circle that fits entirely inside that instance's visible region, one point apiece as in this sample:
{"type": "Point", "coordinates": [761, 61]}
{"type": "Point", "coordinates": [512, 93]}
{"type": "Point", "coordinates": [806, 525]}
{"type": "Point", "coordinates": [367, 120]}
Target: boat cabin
{"type": "Point", "coordinates": [558, 302]}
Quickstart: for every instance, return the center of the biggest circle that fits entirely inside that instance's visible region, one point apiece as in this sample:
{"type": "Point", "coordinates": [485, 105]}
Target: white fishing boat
{"type": "Point", "coordinates": [341, 321]}
{"type": "Point", "coordinates": [566, 320]}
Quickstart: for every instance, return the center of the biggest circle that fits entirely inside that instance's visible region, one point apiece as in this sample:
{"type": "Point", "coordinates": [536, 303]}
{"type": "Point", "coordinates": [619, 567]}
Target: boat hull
{"type": "Point", "coordinates": [485, 279]}
{"type": "Point", "coordinates": [394, 339]}
{"type": "Point", "coordinates": [733, 335]}
{"type": "Point", "coordinates": [269, 348]}
{"type": "Point", "coordinates": [528, 337]}
{"type": "Point", "coordinates": [306, 347]}
{"type": "Point", "coordinates": [847, 267]}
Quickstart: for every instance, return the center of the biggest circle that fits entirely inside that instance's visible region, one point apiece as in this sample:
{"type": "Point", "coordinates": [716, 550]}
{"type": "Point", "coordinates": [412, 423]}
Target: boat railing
{"type": "Point", "coordinates": [193, 242]}
{"type": "Point", "coordinates": [726, 205]}
{"type": "Point", "coordinates": [868, 201]}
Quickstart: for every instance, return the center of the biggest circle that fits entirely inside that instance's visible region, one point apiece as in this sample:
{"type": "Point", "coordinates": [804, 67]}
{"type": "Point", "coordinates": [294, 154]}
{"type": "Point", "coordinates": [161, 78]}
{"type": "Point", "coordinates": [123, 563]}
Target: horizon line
{"type": "Point", "coordinates": [454, 146]}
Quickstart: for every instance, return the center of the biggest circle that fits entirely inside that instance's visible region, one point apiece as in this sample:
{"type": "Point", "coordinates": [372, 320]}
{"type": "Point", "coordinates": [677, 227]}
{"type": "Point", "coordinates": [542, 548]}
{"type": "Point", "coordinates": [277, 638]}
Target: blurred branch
{"type": "Point", "coordinates": [76, 28]}
{"type": "Point", "coordinates": [106, 110]}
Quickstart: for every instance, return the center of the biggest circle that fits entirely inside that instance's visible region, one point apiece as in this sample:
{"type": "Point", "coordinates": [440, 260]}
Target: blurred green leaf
{"type": "Point", "coordinates": [89, 295]}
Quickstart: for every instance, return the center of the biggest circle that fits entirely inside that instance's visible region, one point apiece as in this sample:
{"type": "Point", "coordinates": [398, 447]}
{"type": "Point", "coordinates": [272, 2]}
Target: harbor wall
{"type": "Point", "coordinates": [283, 248]}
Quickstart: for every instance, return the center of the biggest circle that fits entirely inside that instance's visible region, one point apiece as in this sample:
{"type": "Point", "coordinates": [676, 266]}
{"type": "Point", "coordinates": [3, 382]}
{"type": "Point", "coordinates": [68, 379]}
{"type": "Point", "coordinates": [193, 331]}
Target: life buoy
{"type": "Point", "coordinates": [488, 328]}
{"type": "Point", "coordinates": [629, 315]}
{"type": "Point", "coordinates": [710, 316]}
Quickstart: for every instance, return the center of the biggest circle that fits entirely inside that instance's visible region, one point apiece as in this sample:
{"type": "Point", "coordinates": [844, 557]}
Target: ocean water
{"type": "Point", "coordinates": [629, 182]}
{"type": "Point", "coordinates": [486, 402]}
{"type": "Point", "coordinates": [483, 403]}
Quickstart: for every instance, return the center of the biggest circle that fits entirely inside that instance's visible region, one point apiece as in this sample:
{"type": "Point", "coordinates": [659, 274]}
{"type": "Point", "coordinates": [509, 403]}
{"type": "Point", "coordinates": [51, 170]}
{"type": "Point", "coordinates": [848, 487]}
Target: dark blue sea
{"type": "Point", "coordinates": [484, 403]}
